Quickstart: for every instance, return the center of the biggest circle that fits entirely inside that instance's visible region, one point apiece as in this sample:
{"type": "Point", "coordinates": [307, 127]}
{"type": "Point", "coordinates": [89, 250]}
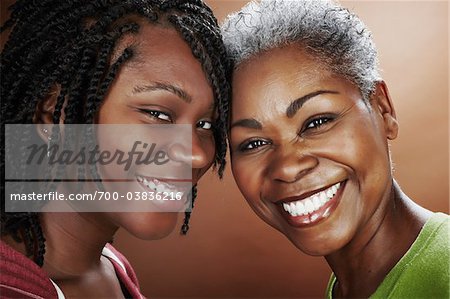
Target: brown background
{"type": "Point", "coordinates": [230, 253]}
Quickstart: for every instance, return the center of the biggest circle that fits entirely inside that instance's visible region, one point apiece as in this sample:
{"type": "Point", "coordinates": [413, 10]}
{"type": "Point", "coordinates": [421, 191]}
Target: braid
{"type": "Point", "coordinates": [187, 214]}
{"type": "Point", "coordinates": [217, 75]}
{"type": "Point", "coordinates": [127, 54]}
{"type": "Point", "coordinates": [39, 249]}
{"type": "Point", "coordinates": [67, 46]}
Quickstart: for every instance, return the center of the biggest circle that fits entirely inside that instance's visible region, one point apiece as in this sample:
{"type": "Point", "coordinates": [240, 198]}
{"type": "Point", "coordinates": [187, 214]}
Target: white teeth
{"type": "Point", "coordinates": [309, 205]}
{"type": "Point", "coordinates": [312, 203]}
{"type": "Point", "coordinates": [149, 185]}
{"type": "Point", "coordinates": [160, 188]}
{"type": "Point", "coordinates": [329, 193]}
{"type": "Point", "coordinates": [146, 183]}
{"type": "Point", "coordinates": [316, 202]}
{"type": "Point", "coordinates": [300, 208]}
{"type": "Point", "coordinates": [324, 197]}
{"type": "Point", "coordinates": [293, 209]}
{"type": "Point", "coordinates": [152, 185]}
{"type": "Point", "coordinates": [287, 207]}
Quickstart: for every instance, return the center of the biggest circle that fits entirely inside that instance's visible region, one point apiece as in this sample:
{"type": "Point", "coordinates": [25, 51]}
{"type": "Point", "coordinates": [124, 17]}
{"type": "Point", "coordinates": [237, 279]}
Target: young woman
{"type": "Point", "coordinates": [310, 124]}
{"type": "Point", "coordinates": [104, 62]}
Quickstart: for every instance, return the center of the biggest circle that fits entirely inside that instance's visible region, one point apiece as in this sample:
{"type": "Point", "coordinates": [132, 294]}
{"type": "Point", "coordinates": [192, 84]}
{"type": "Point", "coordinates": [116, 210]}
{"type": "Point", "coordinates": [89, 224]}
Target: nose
{"type": "Point", "coordinates": [197, 156]}
{"type": "Point", "coordinates": [289, 164]}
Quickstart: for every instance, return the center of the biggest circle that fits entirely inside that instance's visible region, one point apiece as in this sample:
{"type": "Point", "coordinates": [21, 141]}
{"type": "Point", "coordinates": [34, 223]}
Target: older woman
{"type": "Point", "coordinates": [310, 124]}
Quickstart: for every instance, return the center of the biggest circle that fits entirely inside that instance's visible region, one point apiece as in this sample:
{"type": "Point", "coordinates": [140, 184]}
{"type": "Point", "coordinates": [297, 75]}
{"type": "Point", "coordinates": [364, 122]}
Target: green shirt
{"type": "Point", "coordinates": [423, 272]}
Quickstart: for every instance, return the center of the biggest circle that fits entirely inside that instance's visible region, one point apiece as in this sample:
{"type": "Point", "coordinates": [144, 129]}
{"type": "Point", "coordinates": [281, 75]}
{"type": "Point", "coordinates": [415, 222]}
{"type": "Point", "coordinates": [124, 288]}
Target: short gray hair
{"type": "Point", "coordinates": [323, 28]}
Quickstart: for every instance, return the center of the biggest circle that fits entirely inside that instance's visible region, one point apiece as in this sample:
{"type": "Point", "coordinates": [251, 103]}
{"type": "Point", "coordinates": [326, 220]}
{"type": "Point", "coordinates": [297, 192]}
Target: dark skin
{"type": "Point", "coordinates": [297, 130]}
{"type": "Point", "coordinates": [74, 241]}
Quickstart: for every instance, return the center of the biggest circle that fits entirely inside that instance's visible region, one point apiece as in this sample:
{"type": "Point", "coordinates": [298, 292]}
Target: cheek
{"type": "Point", "coordinates": [208, 146]}
{"type": "Point", "coordinates": [357, 145]}
{"type": "Point", "coordinates": [210, 150]}
{"type": "Point", "coordinates": [248, 179]}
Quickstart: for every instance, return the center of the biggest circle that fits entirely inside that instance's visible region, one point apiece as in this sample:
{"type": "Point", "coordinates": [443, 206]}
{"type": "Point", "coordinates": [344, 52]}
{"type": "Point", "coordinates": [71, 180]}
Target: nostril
{"type": "Point", "coordinates": [291, 167]}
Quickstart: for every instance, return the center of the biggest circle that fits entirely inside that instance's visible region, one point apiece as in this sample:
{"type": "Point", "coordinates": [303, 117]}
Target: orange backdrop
{"type": "Point", "coordinates": [230, 253]}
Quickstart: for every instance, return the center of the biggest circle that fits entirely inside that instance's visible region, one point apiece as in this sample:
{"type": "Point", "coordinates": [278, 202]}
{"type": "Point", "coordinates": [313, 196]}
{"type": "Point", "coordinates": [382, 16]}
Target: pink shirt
{"type": "Point", "coordinates": [21, 277]}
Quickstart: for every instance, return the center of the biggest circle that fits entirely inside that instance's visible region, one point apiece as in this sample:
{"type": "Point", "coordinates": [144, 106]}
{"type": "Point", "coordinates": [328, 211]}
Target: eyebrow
{"type": "Point", "coordinates": [250, 123]}
{"type": "Point", "coordinates": [298, 103]}
{"type": "Point", "coordinates": [163, 86]}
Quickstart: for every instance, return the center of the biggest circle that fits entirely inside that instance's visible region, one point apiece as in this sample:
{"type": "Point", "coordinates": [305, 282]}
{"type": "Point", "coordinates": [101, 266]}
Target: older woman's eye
{"type": "Point", "coordinates": [205, 125]}
{"type": "Point", "coordinates": [317, 122]}
{"type": "Point", "coordinates": [252, 145]}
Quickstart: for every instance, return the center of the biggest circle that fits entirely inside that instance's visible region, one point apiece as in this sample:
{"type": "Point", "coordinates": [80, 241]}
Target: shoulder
{"type": "Point", "coordinates": [124, 270]}
{"type": "Point", "coordinates": [115, 255]}
{"type": "Point", "coordinates": [22, 278]}
{"type": "Point", "coordinates": [424, 270]}
{"type": "Point", "coordinates": [432, 244]}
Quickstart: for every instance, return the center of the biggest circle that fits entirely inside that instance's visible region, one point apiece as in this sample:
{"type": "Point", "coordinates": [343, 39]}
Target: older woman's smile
{"type": "Point", "coordinates": [311, 207]}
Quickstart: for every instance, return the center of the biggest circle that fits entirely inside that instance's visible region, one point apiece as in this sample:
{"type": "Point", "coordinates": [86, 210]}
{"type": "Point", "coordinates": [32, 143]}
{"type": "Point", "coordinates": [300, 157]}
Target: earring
{"type": "Point", "coordinates": [49, 138]}
{"type": "Point", "coordinates": [45, 131]}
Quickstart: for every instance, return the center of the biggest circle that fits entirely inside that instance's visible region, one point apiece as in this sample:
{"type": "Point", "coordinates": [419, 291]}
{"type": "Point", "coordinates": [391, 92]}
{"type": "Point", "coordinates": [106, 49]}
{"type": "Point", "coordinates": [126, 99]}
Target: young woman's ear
{"type": "Point", "coordinates": [43, 116]}
{"type": "Point", "coordinates": [382, 103]}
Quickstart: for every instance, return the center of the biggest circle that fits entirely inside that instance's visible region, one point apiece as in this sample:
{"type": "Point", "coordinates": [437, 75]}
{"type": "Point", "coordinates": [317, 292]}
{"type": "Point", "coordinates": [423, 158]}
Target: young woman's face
{"type": "Point", "coordinates": [162, 84]}
{"type": "Point", "coordinates": [308, 154]}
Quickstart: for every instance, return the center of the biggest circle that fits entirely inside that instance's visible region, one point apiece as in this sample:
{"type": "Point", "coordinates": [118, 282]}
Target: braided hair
{"type": "Point", "coordinates": [69, 45]}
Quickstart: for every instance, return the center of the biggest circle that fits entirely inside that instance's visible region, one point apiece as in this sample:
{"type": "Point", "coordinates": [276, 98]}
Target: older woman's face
{"type": "Point", "coordinates": [308, 154]}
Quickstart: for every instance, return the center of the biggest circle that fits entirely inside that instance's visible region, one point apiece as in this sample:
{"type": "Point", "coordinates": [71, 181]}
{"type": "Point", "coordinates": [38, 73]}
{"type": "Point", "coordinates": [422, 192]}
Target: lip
{"type": "Point", "coordinates": [303, 195]}
{"type": "Point", "coordinates": [166, 180]}
{"type": "Point", "coordinates": [315, 217]}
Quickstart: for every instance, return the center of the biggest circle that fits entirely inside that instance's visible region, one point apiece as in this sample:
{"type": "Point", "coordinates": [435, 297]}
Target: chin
{"type": "Point", "coordinates": [318, 246]}
{"type": "Point", "coordinates": [150, 225]}
{"type": "Point", "coordinates": [312, 249]}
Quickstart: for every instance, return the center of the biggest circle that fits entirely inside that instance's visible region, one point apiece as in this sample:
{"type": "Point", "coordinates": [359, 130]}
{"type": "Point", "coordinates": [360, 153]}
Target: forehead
{"type": "Point", "coordinates": [277, 77]}
{"type": "Point", "coordinates": [280, 68]}
{"type": "Point", "coordinates": [264, 86]}
{"type": "Point", "coordinates": [156, 45]}
{"type": "Point", "coordinates": [161, 55]}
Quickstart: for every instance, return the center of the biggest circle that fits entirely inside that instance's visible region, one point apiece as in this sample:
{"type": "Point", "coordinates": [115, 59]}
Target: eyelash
{"type": "Point", "coordinates": [255, 143]}
{"type": "Point", "coordinates": [317, 122]}
{"type": "Point", "coordinates": [199, 125]}
{"type": "Point", "coordinates": [156, 114]}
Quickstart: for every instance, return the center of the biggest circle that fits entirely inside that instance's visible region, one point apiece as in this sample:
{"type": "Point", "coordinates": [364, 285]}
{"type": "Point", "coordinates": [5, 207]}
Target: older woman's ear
{"type": "Point", "coordinates": [382, 103]}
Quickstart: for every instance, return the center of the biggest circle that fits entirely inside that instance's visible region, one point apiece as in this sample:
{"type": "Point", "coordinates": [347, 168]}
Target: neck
{"type": "Point", "coordinates": [361, 265]}
{"type": "Point", "coordinates": [74, 242]}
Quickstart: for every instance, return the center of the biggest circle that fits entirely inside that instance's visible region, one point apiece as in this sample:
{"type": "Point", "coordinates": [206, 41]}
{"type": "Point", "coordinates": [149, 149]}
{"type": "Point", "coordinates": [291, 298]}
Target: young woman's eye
{"type": "Point", "coordinates": [158, 114]}
{"type": "Point", "coordinates": [205, 125]}
{"type": "Point", "coordinates": [317, 122]}
{"type": "Point", "coordinates": [252, 145]}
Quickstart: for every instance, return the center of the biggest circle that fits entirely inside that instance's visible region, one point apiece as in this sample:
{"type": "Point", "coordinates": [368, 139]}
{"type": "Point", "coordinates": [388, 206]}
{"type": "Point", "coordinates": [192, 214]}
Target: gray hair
{"type": "Point", "coordinates": [323, 28]}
